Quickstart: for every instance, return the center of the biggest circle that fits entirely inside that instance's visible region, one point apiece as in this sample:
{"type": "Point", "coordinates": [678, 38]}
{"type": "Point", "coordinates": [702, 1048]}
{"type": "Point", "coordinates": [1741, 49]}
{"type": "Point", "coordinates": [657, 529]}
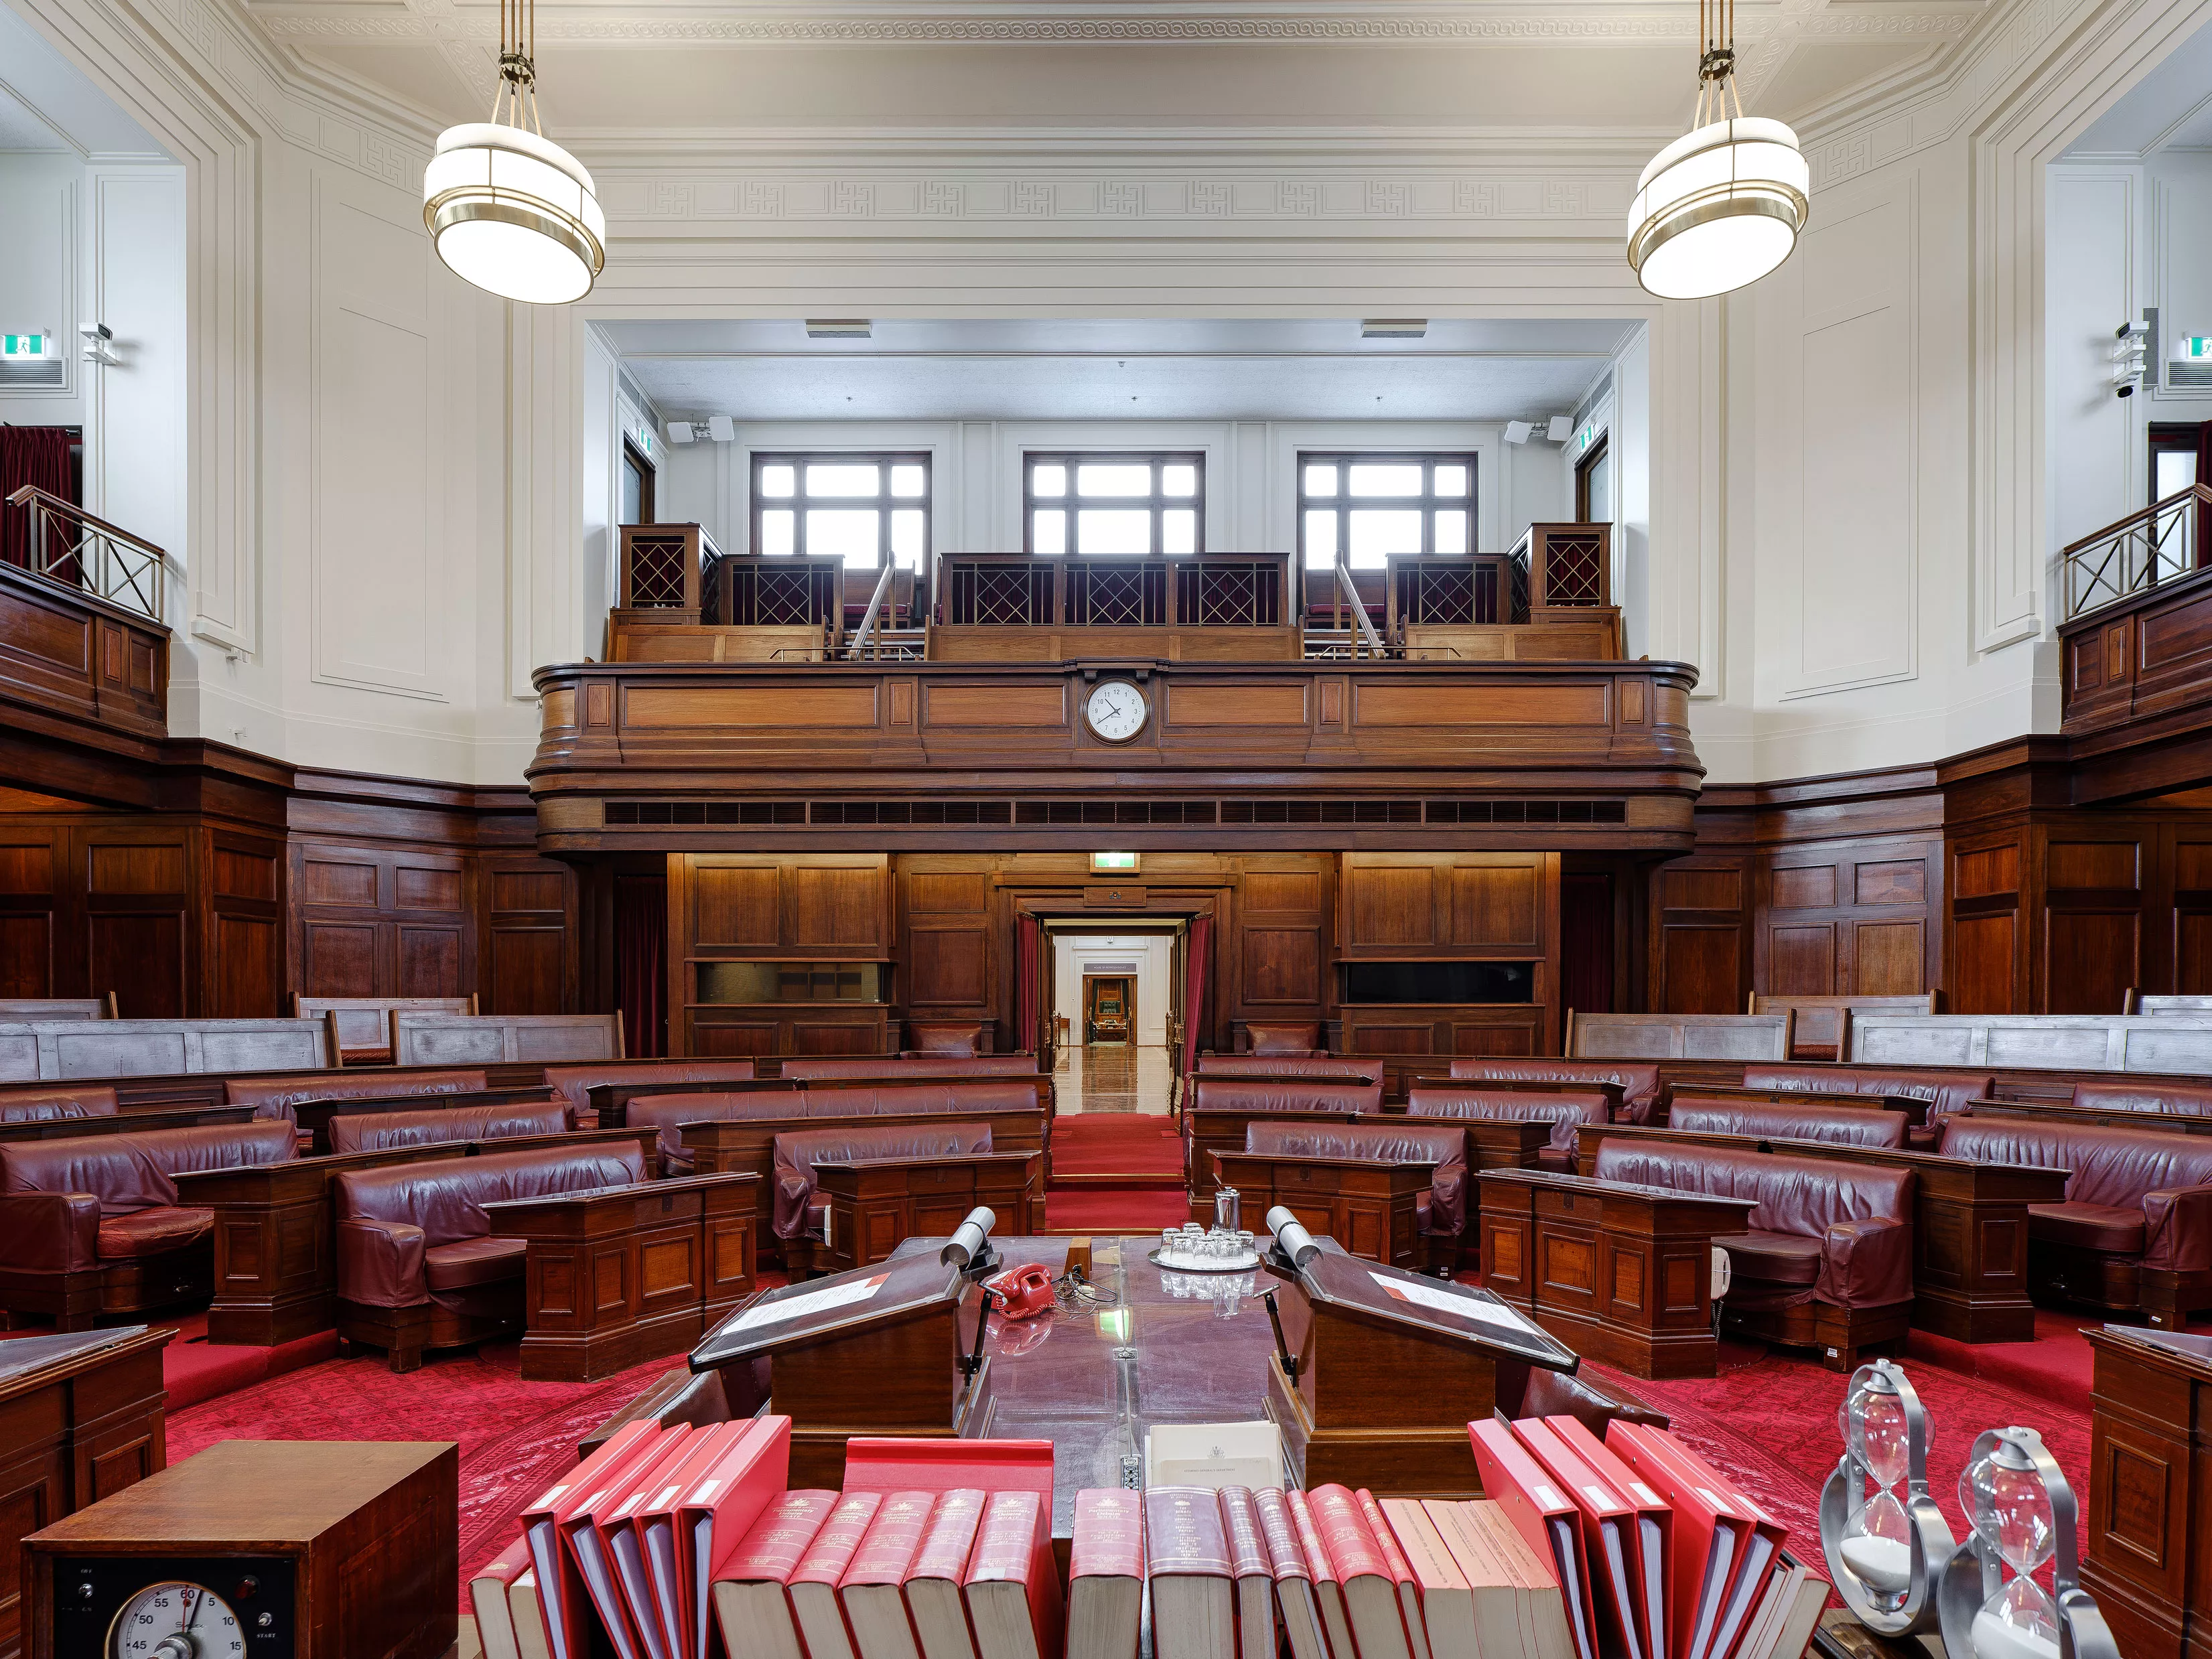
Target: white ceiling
{"type": "Point", "coordinates": [2170, 109]}
{"type": "Point", "coordinates": [46, 103]}
{"type": "Point", "coordinates": [1082, 369]}
{"type": "Point", "coordinates": [625, 68]}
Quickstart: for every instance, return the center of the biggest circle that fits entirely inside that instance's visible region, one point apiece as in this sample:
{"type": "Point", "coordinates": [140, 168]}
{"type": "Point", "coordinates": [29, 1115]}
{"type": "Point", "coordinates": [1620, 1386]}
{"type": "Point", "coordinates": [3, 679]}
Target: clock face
{"type": "Point", "coordinates": [177, 1622]}
{"type": "Point", "coordinates": [1116, 711]}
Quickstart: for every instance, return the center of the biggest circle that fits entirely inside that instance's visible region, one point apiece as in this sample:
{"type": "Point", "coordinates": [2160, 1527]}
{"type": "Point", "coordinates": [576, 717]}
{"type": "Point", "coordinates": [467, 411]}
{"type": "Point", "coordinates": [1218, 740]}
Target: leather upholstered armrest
{"type": "Point", "coordinates": [380, 1264]}
{"type": "Point", "coordinates": [2177, 1228]}
{"type": "Point", "coordinates": [50, 1233]}
{"type": "Point", "coordinates": [1865, 1263]}
{"type": "Point", "coordinates": [793, 1193]}
{"type": "Point", "coordinates": [1448, 1200]}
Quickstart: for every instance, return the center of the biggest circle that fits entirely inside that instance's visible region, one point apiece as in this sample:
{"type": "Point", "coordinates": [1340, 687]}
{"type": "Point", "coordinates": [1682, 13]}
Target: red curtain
{"type": "Point", "coordinates": [30, 455]}
{"type": "Point", "coordinates": [642, 964]}
{"type": "Point", "coordinates": [1028, 975]}
{"type": "Point", "coordinates": [1196, 961]}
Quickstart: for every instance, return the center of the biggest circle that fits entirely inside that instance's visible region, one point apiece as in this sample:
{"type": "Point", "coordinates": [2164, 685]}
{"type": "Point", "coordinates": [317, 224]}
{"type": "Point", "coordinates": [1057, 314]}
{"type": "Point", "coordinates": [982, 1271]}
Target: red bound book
{"type": "Point", "coordinates": [1105, 1575]}
{"type": "Point", "coordinates": [1294, 1590]}
{"type": "Point", "coordinates": [1401, 1572]}
{"type": "Point", "coordinates": [488, 1589]}
{"type": "Point", "coordinates": [1012, 1586]}
{"type": "Point", "coordinates": [1544, 1515]}
{"type": "Point", "coordinates": [873, 1588]}
{"type": "Point", "coordinates": [1328, 1591]}
{"type": "Point", "coordinates": [751, 1591]}
{"type": "Point", "coordinates": [560, 1589]}
{"type": "Point", "coordinates": [1252, 1574]}
{"type": "Point", "coordinates": [933, 1586]}
{"type": "Point", "coordinates": [1371, 1594]}
{"type": "Point", "coordinates": [1186, 1564]}
{"type": "Point", "coordinates": [814, 1587]}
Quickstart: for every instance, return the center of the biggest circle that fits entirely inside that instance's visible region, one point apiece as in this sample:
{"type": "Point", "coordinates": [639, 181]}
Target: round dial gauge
{"type": "Point", "coordinates": [1116, 711]}
{"type": "Point", "coordinates": [176, 1621]}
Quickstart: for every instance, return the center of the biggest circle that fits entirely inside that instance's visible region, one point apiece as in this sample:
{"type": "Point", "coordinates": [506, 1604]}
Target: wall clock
{"type": "Point", "coordinates": [1116, 711]}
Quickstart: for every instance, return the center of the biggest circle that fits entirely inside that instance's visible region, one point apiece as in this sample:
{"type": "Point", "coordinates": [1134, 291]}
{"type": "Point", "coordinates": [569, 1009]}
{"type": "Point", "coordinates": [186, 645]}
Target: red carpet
{"type": "Point", "coordinates": [1114, 1209]}
{"type": "Point", "coordinates": [194, 1370]}
{"type": "Point", "coordinates": [1139, 1147]}
{"type": "Point", "coordinates": [2056, 1366]}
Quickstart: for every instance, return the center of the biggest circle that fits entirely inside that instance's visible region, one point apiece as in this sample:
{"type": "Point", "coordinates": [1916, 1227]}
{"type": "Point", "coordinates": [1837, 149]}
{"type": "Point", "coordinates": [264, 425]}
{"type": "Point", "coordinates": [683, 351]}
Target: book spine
{"type": "Point", "coordinates": [1240, 1520]}
{"type": "Point", "coordinates": [1378, 1525]}
{"type": "Point", "coordinates": [1109, 1536]}
{"type": "Point", "coordinates": [1281, 1537]}
{"type": "Point", "coordinates": [779, 1539]}
{"type": "Point", "coordinates": [1316, 1553]}
{"type": "Point", "coordinates": [1005, 1545]}
{"type": "Point", "coordinates": [1351, 1548]}
{"type": "Point", "coordinates": [951, 1535]}
{"type": "Point", "coordinates": [887, 1552]}
{"type": "Point", "coordinates": [1183, 1533]}
{"type": "Point", "coordinates": [834, 1546]}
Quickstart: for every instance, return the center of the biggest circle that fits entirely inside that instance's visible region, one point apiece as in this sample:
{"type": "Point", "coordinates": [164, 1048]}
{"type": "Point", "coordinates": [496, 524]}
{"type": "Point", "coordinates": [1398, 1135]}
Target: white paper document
{"type": "Point", "coordinates": [1460, 1306]}
{"type": "Point", "coordinates": [810, 1302]}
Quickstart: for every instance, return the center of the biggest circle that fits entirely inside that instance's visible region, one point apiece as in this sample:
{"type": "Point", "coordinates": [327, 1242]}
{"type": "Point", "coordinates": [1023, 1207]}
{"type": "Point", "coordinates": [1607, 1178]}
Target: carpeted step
{"type": "Point", "coordinates": [1138, 1178]}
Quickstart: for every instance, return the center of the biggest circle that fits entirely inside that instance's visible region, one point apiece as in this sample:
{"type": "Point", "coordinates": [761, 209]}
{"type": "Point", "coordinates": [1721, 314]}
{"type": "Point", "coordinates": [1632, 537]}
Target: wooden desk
{"type": "Point", "coordinates": [1618, 1271]}
{"type": "Point", "coordinates": [617, 1275]}
{"type": "Point", "coordinates": [81, 1417]}
{"type": "Point", "coordinates": [1217, 1130]}
{"type": "Point", "coordinates": [119, 1123]}
{"type": "Point", "coordinates": [2149, 1558]}
{"type": "Point", "coordinates": [1970, 1224]}
{"type": "Point", "coordinates": [2044, 1111]}
{"type": "Point", "coordinates": [315, 1116]}
{"type": "Point", "coordinates": [1914, 1108]}
{"type": "Point", "coordinates": [877, 1204]}
{"type": "Point", "coordinates": [612, 1100]}
{"type": "Point", "coordinates": [275, 1232]}
{"type": "Point", "coordinates": [1371, 1209]}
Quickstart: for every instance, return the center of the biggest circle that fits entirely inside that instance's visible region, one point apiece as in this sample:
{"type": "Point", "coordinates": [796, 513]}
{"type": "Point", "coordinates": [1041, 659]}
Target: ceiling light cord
{"type": "Point", "coordinates": [1717, 88]}
{"type": "Point", "coordinates": [514, 100]}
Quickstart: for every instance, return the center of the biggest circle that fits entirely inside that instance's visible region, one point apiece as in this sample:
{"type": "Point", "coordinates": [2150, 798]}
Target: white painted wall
{"type": "Point", "coordinates": [1075, 954]}
{"type": "Point", "coordinates": [42, 208]}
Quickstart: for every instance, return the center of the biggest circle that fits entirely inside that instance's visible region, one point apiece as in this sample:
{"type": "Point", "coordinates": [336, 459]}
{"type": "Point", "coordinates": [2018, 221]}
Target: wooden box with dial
{"type": "Point", "coordinates": [258, 1549]}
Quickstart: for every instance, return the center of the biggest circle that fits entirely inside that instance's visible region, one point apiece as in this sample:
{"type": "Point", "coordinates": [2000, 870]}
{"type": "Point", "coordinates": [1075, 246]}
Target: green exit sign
{"type": "Point", "coordinates": [2197, 349]}
{"type": "Point", "coordinates": [22, 345]}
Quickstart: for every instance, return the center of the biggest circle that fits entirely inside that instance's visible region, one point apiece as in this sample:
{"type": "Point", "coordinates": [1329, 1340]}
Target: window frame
{"type": "Point", "coordinates": [634, 460]}
{"type": "Point", "coordinates": [1428, 503]}
{"type": "Point", "coordinates": [1156, 502]}
{"type": "Point", "coordinates": [1600, 449]}
{"type": "Point", "coordinates": [2168, 438]}
{"type": "Point", "coordinates": [884, 503]}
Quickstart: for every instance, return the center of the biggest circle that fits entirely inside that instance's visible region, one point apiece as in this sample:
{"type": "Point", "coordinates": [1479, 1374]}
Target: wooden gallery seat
{"type": "Point", "coordinates": [1394, 1193]}
{"type": "Point", "coordinates": [1291, 1041]}
{"type": "Point", "coordinates": [1826, 1262]}
{"type": "Point", "coordinates": [902, 1180]}
{"type": "Point", "coordinates": [363, 1024]}
{"type": "Point", "coordinates": [1785, 1120]}
{"type": "Point", "coordinates": [1556, 1113]}
{"type": "Point", "coordinates": [946, 1039]}
{"type": "Point", "coordinates": [93, 1227]}
{"type": "Point", "coordinates": [1640, 1088]}
{"type": "Point", "coordinates": [575, 1083]}
{"type": "Point", "coordinates": [378, 1132]}
{"type": "Point", "coordinates": [2136, 1095]}
{"type": "Point", "coordinates": [2136, 1228]}
{"type": "Point", "coordinates": [418, 1267]}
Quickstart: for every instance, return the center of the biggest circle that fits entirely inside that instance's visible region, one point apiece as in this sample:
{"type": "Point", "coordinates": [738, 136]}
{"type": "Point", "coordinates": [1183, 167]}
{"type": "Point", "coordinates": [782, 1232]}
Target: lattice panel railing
{"type": "Point", "coordinates": [658, 565]}
{"type": "Point", "coordinates": [1440, 594]}
{"type": "Point", "coordinates": [999, 594]}
{"type": "Point", "coordinates": [1230, 593]}
{"type": "Point", "coordinates": [766, 594]}
{"type": "Point", "coordinates": [1119, 593]}
{"type": "Point", "coordinates": [1574, 568]}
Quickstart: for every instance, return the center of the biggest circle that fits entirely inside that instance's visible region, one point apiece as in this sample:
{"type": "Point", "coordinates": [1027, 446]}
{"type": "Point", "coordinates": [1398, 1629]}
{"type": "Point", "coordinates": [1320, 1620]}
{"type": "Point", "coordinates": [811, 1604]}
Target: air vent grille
{"type": "Point", "coordinates": [1049, 814]}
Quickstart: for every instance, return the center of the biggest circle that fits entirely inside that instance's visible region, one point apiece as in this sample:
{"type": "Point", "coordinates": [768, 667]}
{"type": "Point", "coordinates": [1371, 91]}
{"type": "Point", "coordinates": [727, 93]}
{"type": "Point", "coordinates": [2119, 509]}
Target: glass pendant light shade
{"type": "Point", "coordinates": [515, 214]}
{"type": "Point", "coordinates": [1718, 208]}
{"type": "Point", "coordinates": [508, 210]}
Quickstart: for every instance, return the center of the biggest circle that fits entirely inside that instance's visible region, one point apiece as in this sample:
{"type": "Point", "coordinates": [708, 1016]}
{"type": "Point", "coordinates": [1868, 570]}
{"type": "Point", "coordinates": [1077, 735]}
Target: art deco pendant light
{"type": "Point", "coordinates": [1723, 204]}
{"type": "Point", "coordinates": [508, 210]}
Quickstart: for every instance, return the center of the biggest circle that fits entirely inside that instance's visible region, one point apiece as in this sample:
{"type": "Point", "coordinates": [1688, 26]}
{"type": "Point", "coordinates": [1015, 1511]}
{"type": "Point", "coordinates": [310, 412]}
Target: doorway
{"type": "Point", "coordinates": [1113, 987]}
{"type": "Point", "coordinates": [1108, 1002]}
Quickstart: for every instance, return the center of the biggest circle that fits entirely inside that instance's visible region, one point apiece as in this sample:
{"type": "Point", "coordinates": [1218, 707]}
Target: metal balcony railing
{"type": "Point", "coordinates": [68, 545]}
{"type": "Point", "coordinates": [2160, 543]}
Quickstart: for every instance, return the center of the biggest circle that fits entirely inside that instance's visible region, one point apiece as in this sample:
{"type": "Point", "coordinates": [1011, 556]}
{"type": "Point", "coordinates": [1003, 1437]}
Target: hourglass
{"type": "Point", "coordinates": [1885, 1547]}
{"type": "Point", "coordinates": [2022, 1513]}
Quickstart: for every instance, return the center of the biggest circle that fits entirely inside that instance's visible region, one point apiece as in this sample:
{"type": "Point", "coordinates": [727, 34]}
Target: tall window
{"type": "Point", "coordinates": [1114, 503]}
{"type": "Point", "coordinates": [864, 508]}
{"type": "Point", "coordinates": [637, 486]}
{"type": "Point", "coordinates": [1358, 510]}
{"type": "Point", "coordinates": [1594, 484]}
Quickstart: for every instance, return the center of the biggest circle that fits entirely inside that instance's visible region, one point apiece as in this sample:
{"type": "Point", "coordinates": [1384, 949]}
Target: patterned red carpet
{"type": "Point", "coordinates": [1127, 1168]}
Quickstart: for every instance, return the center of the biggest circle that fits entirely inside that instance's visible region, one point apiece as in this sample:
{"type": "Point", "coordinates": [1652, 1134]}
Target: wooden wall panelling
{"type": "Point", "coordinates": [2186, 859]}
{"type": "Point", "coordinates": [1275, 959]}
{"type": "Point", "coordinates": [1700, 932]}
{"type": "Point", "coordinates": [33, 861]}
{"type": "Point", "coordinates": [948, 952]}
{"type": "Point", "coordinates": [380, 920]}
{"type": "Point", "coordinates": [528, 925]}
{"type": "Point", "coordinates": [1457, 907]}
{"type": "Point", "coordinates": [1847, 918]}
{"type": "Point", "coordinates": [2091, 948]}
{"type": "Point", "coordinates": [776, 907]}
{"type": "Point", "coordinates": [141, 887]}
{"type": "Point", "coordinates": [241, 954]}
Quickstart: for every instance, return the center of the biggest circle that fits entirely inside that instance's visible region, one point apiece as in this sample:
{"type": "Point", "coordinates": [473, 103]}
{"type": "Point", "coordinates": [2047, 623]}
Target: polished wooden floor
{"type": "Point", "coordinates": [1115, 1077]}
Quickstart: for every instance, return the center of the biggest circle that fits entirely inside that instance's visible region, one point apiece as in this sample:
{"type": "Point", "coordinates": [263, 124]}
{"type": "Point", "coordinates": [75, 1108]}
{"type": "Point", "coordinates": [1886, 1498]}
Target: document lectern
{"type": "Point", "coordinates": [1379, 1371]}
{"type": "Point", "coordinates": [885, 1349]}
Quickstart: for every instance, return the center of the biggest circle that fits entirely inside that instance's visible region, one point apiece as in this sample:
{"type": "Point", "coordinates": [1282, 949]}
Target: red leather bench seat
{"type": "Point", "coordinates": [1291, 1041]}
{"type": "Point", "coordinates": [576, 1083]}
{"type": "Point", "coordinates": [2131, 1191]}
{"type": "Point", "coordinates": [1639, 1084]}
{"type": "Point", "coordinates": [1442, 1209]}
{"type": "Point", "coordinates": [275, 1096]}
{"type": "Point", "coordinates": [1838, 1233]}
{"type": "Point", "coordinates": [799, 1212]}
{"type": "Point", "coordinates": [66, 1205]}
{"type": "Point", "coordinates": [668, 1114]}
{"type": "Point", "coordinates": [416, 1232]}
{"type": "Point", "coordinates": [52, 1103]}
{"type": "Point", "coordinates": [376, 1132]}
{"type": "Point", "coordinates": [1290, 1064]}
{"type": "Point", "coordinates": [1846, 1124]}
{"type": "Point", "coordinates": [1944, 1091]}
{"type": "Point", "coordinates": [1563, 1109]}
{"type": "Point", "coordinates": [1284, 1094]}
{"type": "Point", "coordinates": [940, 1039]}
{"type": "Point", "coordinates": [2116, 1095]}
{"type": "Point", "coordinates": [902, 1066]}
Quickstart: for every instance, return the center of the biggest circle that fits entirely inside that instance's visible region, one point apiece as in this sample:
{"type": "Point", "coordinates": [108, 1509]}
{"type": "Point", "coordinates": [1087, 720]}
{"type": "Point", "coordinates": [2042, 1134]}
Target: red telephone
{"type": "Point", "coordinates": [1024, 1292]}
